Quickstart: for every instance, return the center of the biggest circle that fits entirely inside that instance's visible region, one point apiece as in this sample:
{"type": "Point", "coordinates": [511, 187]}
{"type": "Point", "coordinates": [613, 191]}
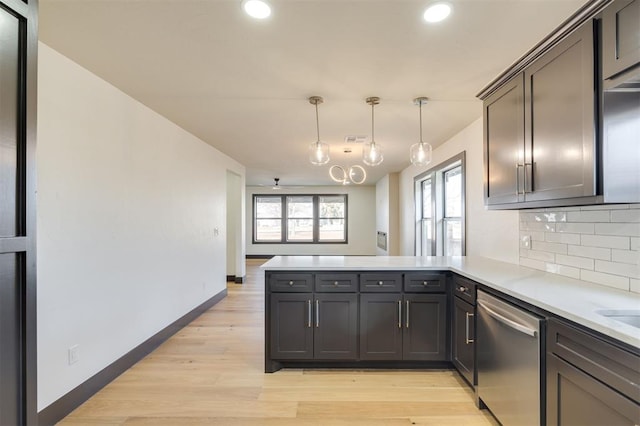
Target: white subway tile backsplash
{"type": "Point", "coordinates": [617, 268]}
{"type": "Point", "coordinates": [605, 241]}
{"type": "Point", "coordinates": [563, 238]}
{"type": "Point", "coordinates": [567, 271]}
{"type": "Point", "coordinates": [576, 228]}
{"type": "Point", "coordinates": [632, 215]}
{"type": "Point", "coordinates": [532, 263]}
{"type": "Point", "coordinates": [609, 280]}
{"type": "Point", "coordinates": [592, 252]}
{"type": "Point", "coordinates": [575, 261]}
{"type": "Point", "coordinates": [599, 244]}
{"type": "Point", "coordinates": [589, 216]}
{"type": "Point", "coordinates": [627, 229]}
{"type": "Point", "coordinates": [625, 256]}
{"type": "Point", "coordinates": [542, 255]}
{"type": "Point", "coordinates": [549, 247]}
{"type": "Point", "coordinates": [537, 226]}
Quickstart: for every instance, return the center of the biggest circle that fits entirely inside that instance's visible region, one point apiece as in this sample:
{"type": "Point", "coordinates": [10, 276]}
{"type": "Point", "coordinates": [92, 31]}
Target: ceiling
{"type": "Point", "coordinates": [242, 85]}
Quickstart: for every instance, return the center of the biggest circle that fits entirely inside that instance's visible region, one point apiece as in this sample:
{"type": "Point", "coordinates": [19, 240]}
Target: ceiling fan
{"type": "Point", "coordinates": [276, 185]}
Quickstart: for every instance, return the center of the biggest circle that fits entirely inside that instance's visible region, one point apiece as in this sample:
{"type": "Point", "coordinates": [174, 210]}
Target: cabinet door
{"type": "Point", "coordinates": [381, 326]}
{"type": "Point", "coordinates": [425, 332]}
{"type": "Point", "coordinates": [576, 398]}
{"type": "Point", "coordinates": [504, 143]}
{"type": "Point", "coordinates": [620, 37]}
{"type": "Point", "coordinates": [559, 120]}
{"type": "Point", "coordinates": [291, 326]}
{"type": "Point", "coordinates": [464, 330]}
{"type": "Point", "coordinates": [336, 326]}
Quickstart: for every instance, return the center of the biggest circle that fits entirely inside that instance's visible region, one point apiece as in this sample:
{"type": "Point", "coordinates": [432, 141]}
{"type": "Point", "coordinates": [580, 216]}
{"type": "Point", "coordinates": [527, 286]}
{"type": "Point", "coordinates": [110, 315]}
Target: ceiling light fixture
{"type": "Point", "coordinates": [437, 12]}
{"type": "Point", "coordinates": [318, 151]}
{"type": "Point", "coordinates": [372, 152]}
{"type": "Point", "coordinates": [355, 174]}
{"type": "Point", "coordinates": [258, 9]}
{"type": "Point", "coordinates": [420, 153]}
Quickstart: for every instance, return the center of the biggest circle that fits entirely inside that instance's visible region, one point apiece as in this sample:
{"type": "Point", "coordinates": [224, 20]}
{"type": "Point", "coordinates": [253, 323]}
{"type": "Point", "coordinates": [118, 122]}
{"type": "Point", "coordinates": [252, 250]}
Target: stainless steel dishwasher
{"type": "Point", "coordinates": [508, 345]}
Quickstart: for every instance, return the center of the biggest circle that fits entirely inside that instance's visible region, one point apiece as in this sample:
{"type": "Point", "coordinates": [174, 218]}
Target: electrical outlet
{"type": "Point", "coordinates": [525, 241]}
{"type": "Point", "coordinates": [74, 354]}
{"type": "Point", "coordinates": [216, 232]}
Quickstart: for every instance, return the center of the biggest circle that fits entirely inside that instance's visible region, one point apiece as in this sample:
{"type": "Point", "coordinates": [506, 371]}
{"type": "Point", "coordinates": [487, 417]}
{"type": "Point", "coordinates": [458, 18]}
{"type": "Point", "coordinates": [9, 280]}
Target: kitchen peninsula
{"type": "Point", "coordinates": [402, 312]}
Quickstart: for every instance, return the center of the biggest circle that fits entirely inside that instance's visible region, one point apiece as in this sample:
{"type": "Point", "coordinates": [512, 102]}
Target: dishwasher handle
{"type": "Point", "coordinates": [506, 321]}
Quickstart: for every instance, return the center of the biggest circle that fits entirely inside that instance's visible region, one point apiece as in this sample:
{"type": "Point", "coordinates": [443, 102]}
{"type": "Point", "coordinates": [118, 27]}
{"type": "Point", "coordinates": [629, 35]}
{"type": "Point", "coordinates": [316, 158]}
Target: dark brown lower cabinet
{"type": "Point", "coordinates": [335, 334]}
{"type": "Point", "coordinates": [409, 327]}
{"type": "Point", "coordinates": [575, 398]}
{"type": "Point", "coordinates": [305, 326]}
{"type": "Point", "coordinates": [463, 341]}
{"type": "Point", "coordinates": [291, 326]}
{"type": "Point", "coordinates": [590, 380]}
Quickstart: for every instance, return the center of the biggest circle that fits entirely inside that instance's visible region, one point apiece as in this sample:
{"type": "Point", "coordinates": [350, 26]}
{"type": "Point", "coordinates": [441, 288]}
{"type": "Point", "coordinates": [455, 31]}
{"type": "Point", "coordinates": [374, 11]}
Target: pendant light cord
{"type": "Point", "coordinates": [421, 122]}
{"type": "Point", "coordinates": [373, 139]}
{"type": "Point", "coordinates": [317, 123]}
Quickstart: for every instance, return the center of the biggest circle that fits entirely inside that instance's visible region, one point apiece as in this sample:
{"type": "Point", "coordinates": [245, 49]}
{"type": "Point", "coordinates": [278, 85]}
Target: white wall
{"type": "Point", "coordinates": [489, 233]}
{"type": "Point", "coordinates": [387, 213]}
{"type": "Point", "coordinates": [361, 223]}
{"type": "Point", "coordinates": [235, 221]}
{"type": "Point", "coordinates": [127, 206]}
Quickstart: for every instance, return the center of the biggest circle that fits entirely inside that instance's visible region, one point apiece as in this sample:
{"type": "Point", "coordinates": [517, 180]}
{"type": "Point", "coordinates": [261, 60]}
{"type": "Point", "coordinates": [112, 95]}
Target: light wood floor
{"type": "Point", "coordinates": [211, 373]}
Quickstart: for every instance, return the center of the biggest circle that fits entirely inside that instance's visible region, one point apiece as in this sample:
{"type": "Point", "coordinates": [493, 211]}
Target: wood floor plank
{"type": "Point", "coordinates": [212, 373]}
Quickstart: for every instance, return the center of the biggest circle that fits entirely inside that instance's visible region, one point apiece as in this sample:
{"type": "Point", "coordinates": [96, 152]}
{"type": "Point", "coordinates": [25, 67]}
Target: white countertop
{"type": "Point", "coordinates": [569, 298]}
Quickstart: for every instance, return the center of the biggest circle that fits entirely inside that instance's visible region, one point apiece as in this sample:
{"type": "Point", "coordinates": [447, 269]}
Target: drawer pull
{"type": "Point", "coordinates": [425, 283]}
{"type": "Point", "coordinates": [290, 282]}
{"type": "Point", "coordinates": [335, 283]}
{"type": "Point", "coordinates": [462, 289]}
{"type": "Point", "coordinates": [380, 282]}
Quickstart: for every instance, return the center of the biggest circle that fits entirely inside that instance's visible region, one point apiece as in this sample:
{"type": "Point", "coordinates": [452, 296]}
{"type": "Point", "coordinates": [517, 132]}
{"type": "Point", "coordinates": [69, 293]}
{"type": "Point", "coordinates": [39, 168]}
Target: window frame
{"type": "Point", "coordinates": [284, 219]}
{"type": "Point", "coordinates": [438, 213]}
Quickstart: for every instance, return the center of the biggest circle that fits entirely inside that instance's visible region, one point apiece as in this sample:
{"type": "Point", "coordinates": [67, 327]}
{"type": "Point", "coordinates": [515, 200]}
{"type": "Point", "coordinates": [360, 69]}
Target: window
{"type": "Point", "coordinates": [439, 201]}
{"type": "Point", "coordinates": [292, 219]}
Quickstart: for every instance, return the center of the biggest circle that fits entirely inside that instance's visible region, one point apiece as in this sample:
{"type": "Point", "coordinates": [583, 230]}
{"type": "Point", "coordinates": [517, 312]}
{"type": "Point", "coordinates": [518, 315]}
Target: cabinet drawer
{"type": "Point", "coordinates": [345, 283]}
{"type": "Point", "coordinates": [381, 282]}
{"type": "Point", "coordinates": [419, 282]}
{"type": "Point", "coordinates": [610, 364]}
{"type": "Point", "coordinates": [464, 288]}
{"type": "Point", "coordinates": [295, 283]}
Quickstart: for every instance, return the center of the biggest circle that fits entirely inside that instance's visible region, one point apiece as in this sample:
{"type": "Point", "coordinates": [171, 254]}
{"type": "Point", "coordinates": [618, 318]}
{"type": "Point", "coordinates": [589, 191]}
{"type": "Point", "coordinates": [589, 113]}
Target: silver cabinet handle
{"type": "Point", "coordinates": [462, 289]}
{"type": "Point", "coordinates": [290, 282]}
{"type": "Point", "coordinates": [335, 283]}
{"type": "Point", "coordinates": [506, 321]}
{"type": "Point", "coordinates": [467, 340]}
{"type": "Point", "coordinates": [425, 283]}
{"type": "Point", "coordinates": [317, 313]}
{"type": "Point", "coordinates": [309, 317]}
{"type": "Point", "coordinates": [380, 282]}
{"type": "Point", "coordinates": [524, 188]}
{"type": "Point", "coordinates": [407, 314]}
{"type": "Point", "coordinates": [518, 178]}
{"type": "Point", "coordinates": [399, 313]}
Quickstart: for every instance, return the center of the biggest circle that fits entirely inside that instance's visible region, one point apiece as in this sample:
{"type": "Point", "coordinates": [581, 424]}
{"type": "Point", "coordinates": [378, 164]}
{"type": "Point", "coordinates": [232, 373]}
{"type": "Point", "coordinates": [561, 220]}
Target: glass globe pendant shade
{"type": "Point", "coordinates": [420, 154]}
{"type": "Point", "coordinates": [319, 153]}
{"type": "Point", "coordinates": [372, 154]}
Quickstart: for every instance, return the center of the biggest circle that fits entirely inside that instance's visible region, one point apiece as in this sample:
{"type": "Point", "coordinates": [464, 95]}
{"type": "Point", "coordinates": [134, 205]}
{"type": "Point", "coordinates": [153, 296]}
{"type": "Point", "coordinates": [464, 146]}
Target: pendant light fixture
{"type": "Point", "coordinates": [318, 151]}
{"type": "Point", "coordinates": [420, 153]}
{"type": "Point", "coordinates": [355, 174]}
{"type": "Point", "coordinates": [372, 152]}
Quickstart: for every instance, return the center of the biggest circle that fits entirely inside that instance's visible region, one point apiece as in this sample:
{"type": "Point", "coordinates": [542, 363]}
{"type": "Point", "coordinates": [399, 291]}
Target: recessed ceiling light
{"type": "Point", "coordinates": [437, 12]}
{"type": "Point", "coordinates": [256, 8]}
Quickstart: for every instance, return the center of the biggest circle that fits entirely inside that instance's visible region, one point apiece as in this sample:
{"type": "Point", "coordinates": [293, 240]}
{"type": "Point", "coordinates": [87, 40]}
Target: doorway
{"type": "Point", "coordinates": [235, 228]}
